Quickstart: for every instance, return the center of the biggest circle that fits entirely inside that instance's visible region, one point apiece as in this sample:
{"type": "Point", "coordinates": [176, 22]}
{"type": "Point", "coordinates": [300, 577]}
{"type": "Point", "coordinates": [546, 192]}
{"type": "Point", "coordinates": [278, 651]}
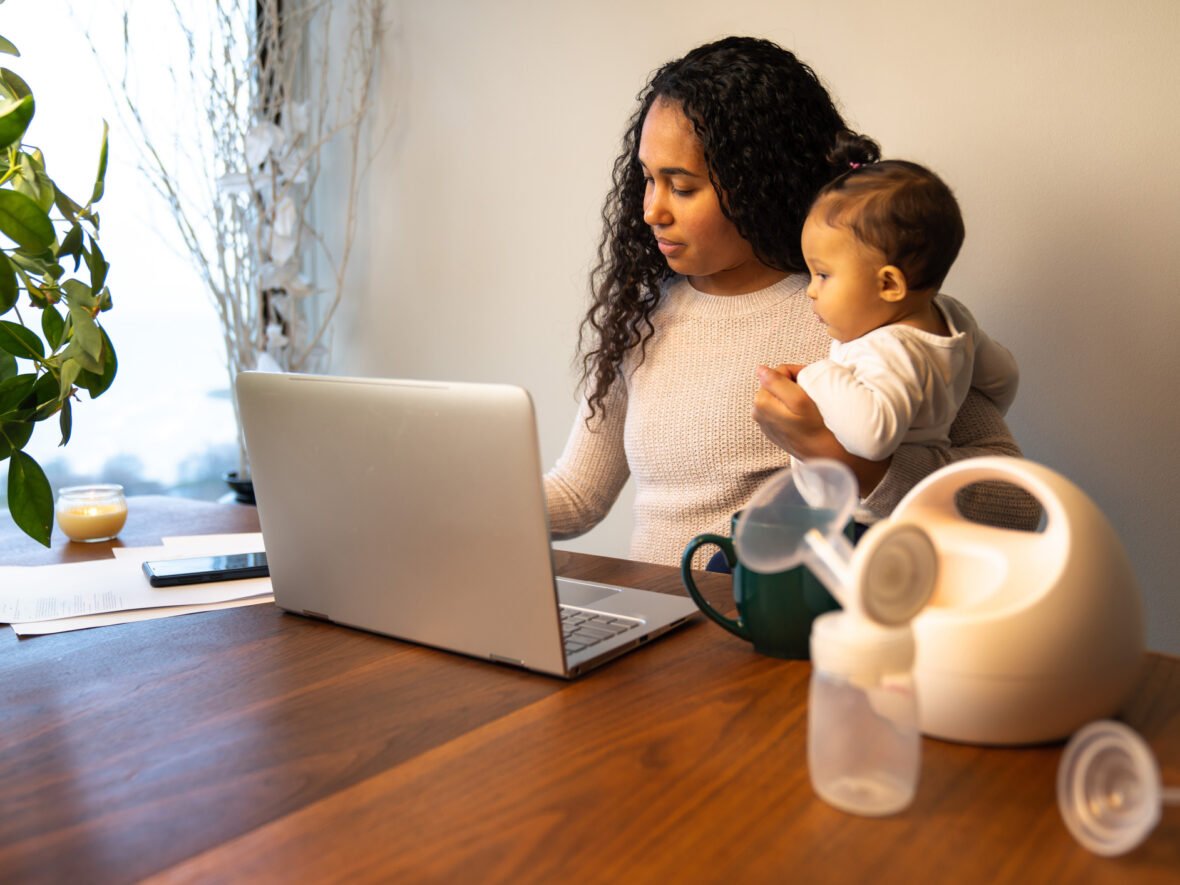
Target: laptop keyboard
{"type": "Point", "coordinates": [583, 629]}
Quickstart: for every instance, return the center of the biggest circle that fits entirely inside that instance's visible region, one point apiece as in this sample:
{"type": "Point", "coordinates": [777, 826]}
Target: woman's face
{"type": "Point", "coordinates": [683, 211]}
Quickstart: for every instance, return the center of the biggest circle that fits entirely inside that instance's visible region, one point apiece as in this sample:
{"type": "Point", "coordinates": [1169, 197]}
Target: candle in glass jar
{"type": "Point", "coordinates": [91, 513]}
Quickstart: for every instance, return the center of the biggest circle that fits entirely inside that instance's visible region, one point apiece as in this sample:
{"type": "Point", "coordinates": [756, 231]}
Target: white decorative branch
{"type": "Point", "coordinates": [269, 102]}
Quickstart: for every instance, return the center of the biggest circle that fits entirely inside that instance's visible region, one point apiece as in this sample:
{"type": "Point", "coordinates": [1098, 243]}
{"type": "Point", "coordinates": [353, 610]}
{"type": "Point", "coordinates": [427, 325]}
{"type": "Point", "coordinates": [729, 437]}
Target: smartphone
{"type": "Point", "coordinates": [203, 569]}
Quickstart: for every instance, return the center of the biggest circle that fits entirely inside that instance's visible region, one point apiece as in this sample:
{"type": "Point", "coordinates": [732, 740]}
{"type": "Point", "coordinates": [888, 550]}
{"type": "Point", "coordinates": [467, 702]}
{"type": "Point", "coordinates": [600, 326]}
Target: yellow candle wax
{"type": "Point", "coordinates": [93, 522]}
{"type": "Point", "coordinates": [95, 513]}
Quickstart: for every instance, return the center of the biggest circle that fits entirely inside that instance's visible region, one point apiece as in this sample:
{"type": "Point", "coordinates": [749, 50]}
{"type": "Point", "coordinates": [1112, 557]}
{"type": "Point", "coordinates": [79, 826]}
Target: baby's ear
{"type": "Point", "coordinates": [891, 282]}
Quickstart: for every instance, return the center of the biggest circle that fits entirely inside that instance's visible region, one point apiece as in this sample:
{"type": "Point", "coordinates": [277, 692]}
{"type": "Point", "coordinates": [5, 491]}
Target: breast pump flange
{"type": "Point", "coordinates": [1025, 637]}
{"type": "Point", "coordinates": [1109, 789]}
{"type": "Point", "coordinates": [797, 517]}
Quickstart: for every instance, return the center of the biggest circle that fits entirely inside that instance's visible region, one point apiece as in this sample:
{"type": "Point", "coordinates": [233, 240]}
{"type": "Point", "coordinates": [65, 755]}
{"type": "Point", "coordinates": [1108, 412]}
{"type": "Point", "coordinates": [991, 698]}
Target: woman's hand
{"type": "Point", "coordinates": [788, 416]}
{"type": "Point", "coordinates": [792, 422]}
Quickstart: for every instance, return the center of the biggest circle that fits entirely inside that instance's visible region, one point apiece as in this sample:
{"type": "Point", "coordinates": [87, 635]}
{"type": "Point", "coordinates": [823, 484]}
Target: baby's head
{"type": "Point", "coordinates": [890, 230]}
{"type": "Point", "coordinates": [901, 209]}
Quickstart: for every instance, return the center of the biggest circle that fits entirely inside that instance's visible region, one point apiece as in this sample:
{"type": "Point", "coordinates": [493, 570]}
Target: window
{"type": "Point", "coordinates": [167, 423]}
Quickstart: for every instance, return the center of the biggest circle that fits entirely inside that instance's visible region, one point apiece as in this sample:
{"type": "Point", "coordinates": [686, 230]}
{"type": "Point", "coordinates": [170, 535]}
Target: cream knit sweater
{"type": "Point", "coordinates": [681, 424]}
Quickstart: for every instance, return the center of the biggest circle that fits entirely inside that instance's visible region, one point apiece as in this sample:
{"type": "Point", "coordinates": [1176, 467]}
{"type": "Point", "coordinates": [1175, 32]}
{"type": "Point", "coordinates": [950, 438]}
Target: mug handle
{"type": "Point", "coordinates": [726, 545]}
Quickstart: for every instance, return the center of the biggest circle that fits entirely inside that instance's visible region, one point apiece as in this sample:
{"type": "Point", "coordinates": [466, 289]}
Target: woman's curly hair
{"type": "Point", "coordinates": [767, 127]}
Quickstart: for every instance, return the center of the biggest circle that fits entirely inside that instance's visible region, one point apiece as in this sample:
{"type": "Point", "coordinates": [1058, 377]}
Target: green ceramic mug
{"type": "Point", "coordinates": [774, 611]}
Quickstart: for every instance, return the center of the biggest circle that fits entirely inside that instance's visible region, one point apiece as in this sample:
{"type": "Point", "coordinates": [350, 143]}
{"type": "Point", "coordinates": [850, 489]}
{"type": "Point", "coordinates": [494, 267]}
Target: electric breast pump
{"type": "Point", "coordinates": [1021, 637]}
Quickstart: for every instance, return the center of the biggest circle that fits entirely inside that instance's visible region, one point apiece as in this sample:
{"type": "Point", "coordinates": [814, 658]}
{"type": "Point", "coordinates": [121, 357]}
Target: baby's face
{"type": "Point", "coordinates": [845, 287]}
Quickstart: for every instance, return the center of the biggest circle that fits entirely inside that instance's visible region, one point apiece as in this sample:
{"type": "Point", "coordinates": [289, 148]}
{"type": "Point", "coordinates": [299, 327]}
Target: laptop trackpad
{"type": "Point", "coordinates": [583, 593]}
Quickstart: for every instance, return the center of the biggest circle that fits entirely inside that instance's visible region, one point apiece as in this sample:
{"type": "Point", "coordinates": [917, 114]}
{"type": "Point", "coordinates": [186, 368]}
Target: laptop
{"type": "Point", "coordinates": [415, 509]}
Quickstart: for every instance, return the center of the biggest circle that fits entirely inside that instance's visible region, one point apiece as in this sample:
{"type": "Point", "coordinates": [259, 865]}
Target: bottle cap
{"type": "Point", "coordinates": [863, 652]}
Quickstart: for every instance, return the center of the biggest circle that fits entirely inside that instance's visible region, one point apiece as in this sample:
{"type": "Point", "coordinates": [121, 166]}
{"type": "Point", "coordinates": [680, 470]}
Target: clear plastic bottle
{"type": "Point", "coordinates": [864, 749]}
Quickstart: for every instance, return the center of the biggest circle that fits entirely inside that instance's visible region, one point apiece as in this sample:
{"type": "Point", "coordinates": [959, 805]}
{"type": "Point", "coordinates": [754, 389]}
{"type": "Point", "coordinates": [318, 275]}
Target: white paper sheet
{"type": "Point", "coordinates": [85, 622]}
{"type": "Point", "coordinates": [43, 599]}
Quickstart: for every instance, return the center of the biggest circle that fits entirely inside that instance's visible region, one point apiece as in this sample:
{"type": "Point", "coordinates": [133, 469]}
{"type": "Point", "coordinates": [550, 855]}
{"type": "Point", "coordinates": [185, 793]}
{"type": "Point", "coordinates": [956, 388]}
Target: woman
{"type": "Point", "coordinates": [699, 289]}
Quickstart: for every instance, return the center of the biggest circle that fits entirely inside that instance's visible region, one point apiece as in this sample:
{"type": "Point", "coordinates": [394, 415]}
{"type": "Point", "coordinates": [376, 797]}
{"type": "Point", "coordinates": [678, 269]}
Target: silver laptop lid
{"type": "Point", "coordinates": [366, 486]}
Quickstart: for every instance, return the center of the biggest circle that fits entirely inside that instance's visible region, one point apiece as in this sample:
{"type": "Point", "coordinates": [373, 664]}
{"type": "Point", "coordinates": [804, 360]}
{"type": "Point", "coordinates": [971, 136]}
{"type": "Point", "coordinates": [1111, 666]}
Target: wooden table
{"type": "Point", "coordinates": [251, 745]}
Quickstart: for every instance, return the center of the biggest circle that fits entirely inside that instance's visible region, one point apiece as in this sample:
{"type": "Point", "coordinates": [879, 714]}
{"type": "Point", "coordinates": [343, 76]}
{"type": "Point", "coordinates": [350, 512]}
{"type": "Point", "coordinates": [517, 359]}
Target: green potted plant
{"type": "Point", "coordinates": [52, 290]}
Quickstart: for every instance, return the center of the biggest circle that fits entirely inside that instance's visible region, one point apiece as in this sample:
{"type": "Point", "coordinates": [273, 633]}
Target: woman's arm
{"type": "Point", "coordinates": [793, 423]}
{"type": "Point", "coordinates": [591, 472]}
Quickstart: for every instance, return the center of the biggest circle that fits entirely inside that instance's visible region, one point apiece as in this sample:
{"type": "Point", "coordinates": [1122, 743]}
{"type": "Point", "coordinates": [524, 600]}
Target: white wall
{"type": "Point", "coordinates": [1055, 122]}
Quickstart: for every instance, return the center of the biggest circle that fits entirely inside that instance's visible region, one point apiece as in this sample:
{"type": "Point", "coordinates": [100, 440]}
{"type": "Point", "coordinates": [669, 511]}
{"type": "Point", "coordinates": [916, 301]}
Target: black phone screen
{"type": "Point", "coordinates": [203, 569]}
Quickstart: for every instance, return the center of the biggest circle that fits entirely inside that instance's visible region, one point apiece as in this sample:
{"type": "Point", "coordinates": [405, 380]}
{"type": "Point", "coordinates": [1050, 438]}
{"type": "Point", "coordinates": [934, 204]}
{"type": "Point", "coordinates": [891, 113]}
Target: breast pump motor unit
{"type": "Point", "coordinates": [1018, 637]}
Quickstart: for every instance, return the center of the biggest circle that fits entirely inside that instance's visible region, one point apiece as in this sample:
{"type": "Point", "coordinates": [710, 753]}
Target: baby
{"type": "Point", "coordinates": [878, 241]}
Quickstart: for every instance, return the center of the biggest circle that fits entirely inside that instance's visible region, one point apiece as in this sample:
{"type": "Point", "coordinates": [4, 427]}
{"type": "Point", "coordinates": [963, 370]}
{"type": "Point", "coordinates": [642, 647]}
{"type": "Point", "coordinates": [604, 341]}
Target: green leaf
{"type": "Point", "coordinates": [72, 245]}
{"type": "Point", "coordinates": [15, 117]}
{"type": "Point", "coordinates": [45, 390]}
{"type": "Point", "coordinates": [7, 366]}
{"type": "Point", "coordinates": [100, 178]}
{"type": "Point", "coordinates": [89, 363]}
{"type": "Point", "coordinates": [25, 223]}
{"type": "Point", "coordinates": [24, 169]}
{"type": "Point", "coordinates": [15, 84]}
{"type": "Point", "coordinates": [14, 436]}
{"type": "Point", "coordinates": [66, 421]}
{"type": "Point", "coordinates": [15, 393]}
{"type": "Point", "coordinates": [9, 290]}
{"type": "Point", "coordinates": [30, 499]}
{"type": "Point", "coordinates": [98, 266]}
{"type": "Point", "coordinates": [86, 332]}
{"type": "Point", "coordinates": [69, 374]}
{"type": "Point", "coordinates": [40, 297]}
{"type": "Point", "coordinates": [19, 341]}
{"type": "Point", "coordinates": [67, 207]}
{"type": "Point", "coordinates": [34, 183]}
{"type": "Point", "coordinates": [96, 384]}
{"type": "Point", "coordinates": [31, 263]}
{"type": "Point", "coordinates": [52, 326]}
{"type": "Point", "coordinates": [78, 294]}
{"type": "Point", "coordinates": [46, 396]}
{"type": "Point", "coordinates": [8, 47]}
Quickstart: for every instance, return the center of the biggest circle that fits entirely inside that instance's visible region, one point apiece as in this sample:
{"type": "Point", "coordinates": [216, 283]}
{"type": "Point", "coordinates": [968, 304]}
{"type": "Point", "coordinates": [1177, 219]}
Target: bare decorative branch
{"type": "Point", "coordinates": [269, 86]}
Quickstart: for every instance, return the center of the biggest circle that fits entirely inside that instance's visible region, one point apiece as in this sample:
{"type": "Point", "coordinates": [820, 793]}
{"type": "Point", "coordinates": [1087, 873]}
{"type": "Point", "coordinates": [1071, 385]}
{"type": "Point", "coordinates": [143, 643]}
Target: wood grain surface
{"type": "Point", "coordinates": [252, 745]}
